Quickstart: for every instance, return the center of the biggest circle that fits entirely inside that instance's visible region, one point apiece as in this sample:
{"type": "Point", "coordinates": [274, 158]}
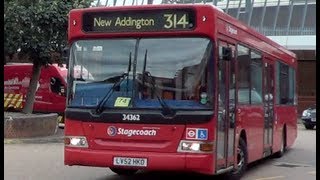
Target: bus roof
{"type": "Point", "coordinates": [253, 32]}
{"type": "Point", "coordinates": [220, 14]}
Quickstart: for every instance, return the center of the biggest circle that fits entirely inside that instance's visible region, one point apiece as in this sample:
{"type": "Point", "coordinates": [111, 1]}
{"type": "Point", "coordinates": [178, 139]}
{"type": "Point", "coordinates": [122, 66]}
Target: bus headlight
{"type": "Point", "coordinates": [76, 141]}
{"type": "Point", "coordinates": [195, 146]}
{"type": "Point", "coordinates": [190, 146]}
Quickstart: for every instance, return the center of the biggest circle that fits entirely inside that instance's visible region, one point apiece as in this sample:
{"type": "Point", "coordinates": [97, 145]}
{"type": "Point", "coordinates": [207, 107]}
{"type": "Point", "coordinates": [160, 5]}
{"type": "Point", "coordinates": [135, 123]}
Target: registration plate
{"type": "Point", "coordinates": [127, 161]}
{"type": "Point", "coordinates": [313, 119]}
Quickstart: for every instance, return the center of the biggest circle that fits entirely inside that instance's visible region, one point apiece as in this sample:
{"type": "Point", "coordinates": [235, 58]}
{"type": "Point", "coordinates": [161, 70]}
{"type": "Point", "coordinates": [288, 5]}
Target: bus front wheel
{"type": "Point", "coordinates": [242, 161]}
{"type": "Point", "coordinates": [124, 172]}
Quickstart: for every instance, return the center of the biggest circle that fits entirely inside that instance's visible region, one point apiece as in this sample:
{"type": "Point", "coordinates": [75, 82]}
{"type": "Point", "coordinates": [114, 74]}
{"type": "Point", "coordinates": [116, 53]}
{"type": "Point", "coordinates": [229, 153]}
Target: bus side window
{"type": "Point", "coordinates": [56, 86]}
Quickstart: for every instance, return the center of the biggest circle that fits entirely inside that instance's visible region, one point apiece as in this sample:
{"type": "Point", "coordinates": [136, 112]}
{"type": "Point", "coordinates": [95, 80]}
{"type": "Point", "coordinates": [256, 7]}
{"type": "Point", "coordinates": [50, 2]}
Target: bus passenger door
{"type": "Point", "coordinates": [226, 108]}
{"type": "Point", "coordinates": [268, 86]}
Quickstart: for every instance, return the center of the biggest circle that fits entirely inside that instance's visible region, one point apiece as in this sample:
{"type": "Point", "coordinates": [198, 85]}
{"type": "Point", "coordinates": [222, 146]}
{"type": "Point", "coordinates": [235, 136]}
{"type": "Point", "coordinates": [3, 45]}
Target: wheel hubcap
{"type": "Point", "coordinates": [240, 158]}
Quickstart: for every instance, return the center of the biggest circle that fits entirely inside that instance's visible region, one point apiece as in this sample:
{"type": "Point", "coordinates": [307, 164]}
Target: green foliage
{"type": "Point", "coordinates": [37, 28]}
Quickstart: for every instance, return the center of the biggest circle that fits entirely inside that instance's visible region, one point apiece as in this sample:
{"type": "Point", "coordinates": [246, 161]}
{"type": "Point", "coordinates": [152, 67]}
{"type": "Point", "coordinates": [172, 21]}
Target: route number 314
{"type": "Point", "coordinates": [175, 21]}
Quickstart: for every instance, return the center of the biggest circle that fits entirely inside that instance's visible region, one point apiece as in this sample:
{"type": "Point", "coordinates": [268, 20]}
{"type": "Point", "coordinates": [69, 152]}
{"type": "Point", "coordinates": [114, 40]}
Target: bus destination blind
{"type": "Point", "coordinates": [139, 21]}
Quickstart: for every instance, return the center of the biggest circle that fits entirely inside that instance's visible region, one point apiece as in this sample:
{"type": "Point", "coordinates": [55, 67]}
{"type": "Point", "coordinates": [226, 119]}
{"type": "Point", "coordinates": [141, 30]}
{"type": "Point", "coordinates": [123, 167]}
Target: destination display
{"type": "Point", "coordinates": [137, 21]}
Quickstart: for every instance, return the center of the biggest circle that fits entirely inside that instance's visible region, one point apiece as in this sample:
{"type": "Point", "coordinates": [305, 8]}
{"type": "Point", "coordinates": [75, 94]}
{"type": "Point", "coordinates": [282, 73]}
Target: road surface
{"type": "Point", "coordinates": [45, 161]}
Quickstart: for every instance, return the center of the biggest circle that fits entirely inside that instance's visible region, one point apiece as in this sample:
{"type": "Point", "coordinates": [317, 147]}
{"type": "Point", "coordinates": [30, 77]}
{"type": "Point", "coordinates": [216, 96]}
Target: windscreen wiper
{"type": "Point", "coordinates": [128, 71]}
{"type": "Point", "coordinates": [100, 106]}
{"type": "Point", "coordinates": [166, 110]}
{"type": "Point", "coordinates": [121, 78]}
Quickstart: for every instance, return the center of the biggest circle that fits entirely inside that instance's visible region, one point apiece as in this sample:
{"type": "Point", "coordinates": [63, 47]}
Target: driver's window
{"type": "Point", "coordinates": [56, 85]}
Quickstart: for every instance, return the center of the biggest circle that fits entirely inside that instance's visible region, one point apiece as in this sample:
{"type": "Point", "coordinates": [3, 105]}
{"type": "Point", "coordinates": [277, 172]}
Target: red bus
{"type": "Point", "coordinates": [185, 84]}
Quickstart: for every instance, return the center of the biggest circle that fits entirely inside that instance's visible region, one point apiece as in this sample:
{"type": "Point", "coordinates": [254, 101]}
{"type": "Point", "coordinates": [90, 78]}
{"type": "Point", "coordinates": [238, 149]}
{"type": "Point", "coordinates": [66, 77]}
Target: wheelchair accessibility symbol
{"type": "Point", "coordinates": [202, 134]}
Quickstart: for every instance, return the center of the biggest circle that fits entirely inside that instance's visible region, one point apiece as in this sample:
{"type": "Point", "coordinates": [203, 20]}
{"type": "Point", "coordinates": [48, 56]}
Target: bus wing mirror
{"type": "Point", "coordinates": [65, 56]}
{"type": "Point", "coordinates": [227, 53]}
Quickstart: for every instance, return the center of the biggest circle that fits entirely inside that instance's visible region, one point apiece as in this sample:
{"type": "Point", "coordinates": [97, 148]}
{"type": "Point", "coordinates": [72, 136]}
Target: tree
{"type": "Point", "coordinates": [35, 29]}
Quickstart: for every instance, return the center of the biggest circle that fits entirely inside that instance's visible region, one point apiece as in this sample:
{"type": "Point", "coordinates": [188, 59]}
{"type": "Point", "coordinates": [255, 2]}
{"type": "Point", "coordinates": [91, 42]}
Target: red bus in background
{"type": "Point", "coordinates": [51, 89]}
{"type": "Point", "coordinates": [187, 84]}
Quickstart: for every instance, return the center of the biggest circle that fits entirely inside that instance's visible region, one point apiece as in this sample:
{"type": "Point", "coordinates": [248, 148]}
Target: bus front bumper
{"type": "Point", "coordinates": [195, 162]}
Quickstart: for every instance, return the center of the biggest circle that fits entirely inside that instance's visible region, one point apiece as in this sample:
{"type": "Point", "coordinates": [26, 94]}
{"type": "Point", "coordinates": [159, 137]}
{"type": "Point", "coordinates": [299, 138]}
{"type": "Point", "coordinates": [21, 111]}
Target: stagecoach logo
{"type": "Point", "coordinates": [231, 30]}
{"type": "Point", "coordinates": [112, 131]}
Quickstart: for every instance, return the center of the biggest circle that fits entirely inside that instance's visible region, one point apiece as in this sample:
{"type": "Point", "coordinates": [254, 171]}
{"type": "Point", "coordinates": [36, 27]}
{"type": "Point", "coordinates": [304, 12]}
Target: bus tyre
{"type": "Point", "coordinates": [124, 172]}
{"type": "Point", "coordinates": [242, 160]}
{"type": "Point", "coordinates": [308, 126]}
{"type": "Point", "coordinates": [280, 153]}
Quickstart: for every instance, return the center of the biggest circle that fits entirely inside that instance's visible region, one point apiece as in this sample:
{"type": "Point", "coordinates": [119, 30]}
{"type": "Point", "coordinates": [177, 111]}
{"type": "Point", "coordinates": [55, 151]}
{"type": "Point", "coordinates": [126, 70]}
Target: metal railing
{"type": "Point", "coordinates": [293, 31]}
